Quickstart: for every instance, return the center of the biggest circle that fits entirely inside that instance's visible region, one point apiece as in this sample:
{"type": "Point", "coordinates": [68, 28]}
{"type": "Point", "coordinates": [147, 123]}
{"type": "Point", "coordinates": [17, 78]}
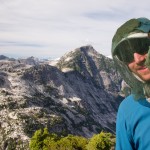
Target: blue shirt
{"type": "Point", "coordinates": [133, 125]}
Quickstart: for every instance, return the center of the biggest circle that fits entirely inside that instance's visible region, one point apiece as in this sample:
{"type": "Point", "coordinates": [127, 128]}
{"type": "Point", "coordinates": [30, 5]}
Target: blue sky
{"type": "Point", "coordinates": [51, 28]}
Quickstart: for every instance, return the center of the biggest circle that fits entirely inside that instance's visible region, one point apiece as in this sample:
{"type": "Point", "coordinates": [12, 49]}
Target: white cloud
{"type": "Point", "coordinates": [53, 27]}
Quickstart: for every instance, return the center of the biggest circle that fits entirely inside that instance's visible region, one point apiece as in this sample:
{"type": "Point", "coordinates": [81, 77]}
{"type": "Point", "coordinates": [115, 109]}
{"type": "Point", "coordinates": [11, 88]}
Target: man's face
{"type": "Point", "coordinates": [138, 67]}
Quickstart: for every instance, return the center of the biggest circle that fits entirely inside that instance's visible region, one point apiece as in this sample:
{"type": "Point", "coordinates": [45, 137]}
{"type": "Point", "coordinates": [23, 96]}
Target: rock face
{"type": "Point", "coordinates": [79, 95]}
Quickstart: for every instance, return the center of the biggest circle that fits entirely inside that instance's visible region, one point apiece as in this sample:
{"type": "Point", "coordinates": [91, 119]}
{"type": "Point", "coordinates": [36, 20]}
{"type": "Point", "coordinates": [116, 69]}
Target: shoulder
{"type": "Point", "coordinates": [128, 105]}
{"type": "Point", "coordinates": [128, 101]}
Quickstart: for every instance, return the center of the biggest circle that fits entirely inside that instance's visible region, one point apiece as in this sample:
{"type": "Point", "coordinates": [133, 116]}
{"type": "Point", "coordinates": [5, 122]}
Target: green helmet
{"type": "Point", "coordinates": [133, 36]}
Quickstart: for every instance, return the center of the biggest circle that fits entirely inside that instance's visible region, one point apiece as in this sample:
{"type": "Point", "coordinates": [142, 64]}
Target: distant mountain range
{"type": "Point", "coordinates": [77, 94]}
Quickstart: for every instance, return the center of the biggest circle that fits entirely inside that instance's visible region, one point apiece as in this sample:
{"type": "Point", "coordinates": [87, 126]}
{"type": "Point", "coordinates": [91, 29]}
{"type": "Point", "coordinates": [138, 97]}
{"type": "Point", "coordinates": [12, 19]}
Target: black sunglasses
{"type": "Point", "coordinates": [126, 49]}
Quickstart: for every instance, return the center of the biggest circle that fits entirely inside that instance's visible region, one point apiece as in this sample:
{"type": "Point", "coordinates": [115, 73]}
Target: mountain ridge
{"type": "Point", "coordinates": [78, 95]}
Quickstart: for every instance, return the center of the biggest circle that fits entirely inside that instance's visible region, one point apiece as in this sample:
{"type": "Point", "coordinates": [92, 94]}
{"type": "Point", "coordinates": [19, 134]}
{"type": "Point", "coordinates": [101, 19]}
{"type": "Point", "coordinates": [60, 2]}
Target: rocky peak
{"type": "Point", "coordinates": [2, 57]}
{"type": "Point", "coordinates": [29, 61]}
{"type": "Point", "coordinates": [92, 65]}
{"type": "Point", "coordinates": [78, 55]}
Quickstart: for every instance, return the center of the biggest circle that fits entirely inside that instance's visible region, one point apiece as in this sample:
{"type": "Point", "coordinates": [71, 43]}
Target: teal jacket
{"type": "Point", "coordinates": [133, 125]}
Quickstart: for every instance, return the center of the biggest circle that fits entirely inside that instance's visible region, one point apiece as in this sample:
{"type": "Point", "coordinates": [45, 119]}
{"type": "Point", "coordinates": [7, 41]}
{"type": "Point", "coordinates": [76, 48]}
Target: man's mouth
{"type": "Point", "coordinates": [142, 68]}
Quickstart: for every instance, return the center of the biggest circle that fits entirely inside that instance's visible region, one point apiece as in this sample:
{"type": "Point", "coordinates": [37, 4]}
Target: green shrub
{"type": "Point", "coordinates": [43, 140]}
{"type": "Point", "coordinates": [72, 142]}
{"type": "Point", "coordinates": [37, 141]}
{"type": "Point", "coordinates": [102, 141]}
{"type": "Point", "coordinates": [50, 142]}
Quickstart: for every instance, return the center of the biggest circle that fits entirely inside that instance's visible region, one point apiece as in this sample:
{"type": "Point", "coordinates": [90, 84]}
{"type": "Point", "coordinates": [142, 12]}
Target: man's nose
{"type": "Point", "coordinates": [139, 58]}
